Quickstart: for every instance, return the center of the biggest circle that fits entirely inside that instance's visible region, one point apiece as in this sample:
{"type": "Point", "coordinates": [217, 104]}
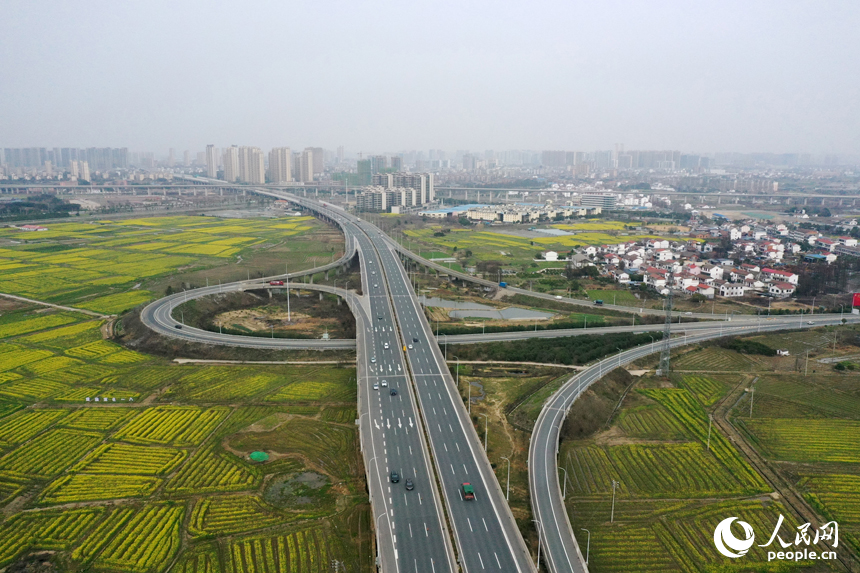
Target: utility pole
{"type": "Point", "coordinates": [612, 515]}
{"type": "Point", "coordinates": [710, 420]}
{"type": "Point", "coordinates": [666, 353]}
{"type": "Point", "coordinates": [752, 395]}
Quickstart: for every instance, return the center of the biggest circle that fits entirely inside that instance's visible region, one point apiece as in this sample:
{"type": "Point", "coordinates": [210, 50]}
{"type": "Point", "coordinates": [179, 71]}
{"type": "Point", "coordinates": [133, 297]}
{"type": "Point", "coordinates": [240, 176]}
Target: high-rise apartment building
{"type": "Point", "coordinates": [186, 158]}
{"type": "Point", "coordinates": [397, 163]}
{"type": "Point", "coordinates": [84, 170]}
{"type": "Point", "coordinates": [340, 154]}
{"type": "Point", "coordinates": [251, 165]}
{"type": "Point", "coordinates": [280, 165]}
{"type": "Point", "coordinates": [318, 160]}
{"type": "Point", "coordinates": [421, 183]}
{"type": "Point", "coordinates": [211, 162]}
{"type": "Point", "coordinates": [305, 170]}
{"type": "Point", "coordinates": [231, 164]}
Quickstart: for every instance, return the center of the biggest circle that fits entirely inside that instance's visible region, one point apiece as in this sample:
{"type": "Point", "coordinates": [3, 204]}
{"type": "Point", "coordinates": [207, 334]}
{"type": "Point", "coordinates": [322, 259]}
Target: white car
{"type": "Point", "coordinates": [373, 358]}
{"type": "Point", "coordinates": [558, 296]}
{"type": "Point", "coordinates": [385, 346]}
{"type": "Point", "coordinates": [385, 383]}
{"type": "Point", "coordinates": [376, 386]}
{"type": "Point", "coordinates": [410, 347]}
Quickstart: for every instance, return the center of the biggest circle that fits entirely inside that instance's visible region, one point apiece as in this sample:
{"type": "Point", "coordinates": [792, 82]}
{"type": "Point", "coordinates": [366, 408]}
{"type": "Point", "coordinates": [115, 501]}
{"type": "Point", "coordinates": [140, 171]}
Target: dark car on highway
{"type": "Point", "coordinates": [395, 477]}
{"type": "Point", "coordinates": [409, 485]}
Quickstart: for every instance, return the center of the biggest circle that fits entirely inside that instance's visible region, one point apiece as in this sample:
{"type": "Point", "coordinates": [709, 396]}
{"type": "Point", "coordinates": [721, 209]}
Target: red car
{"type": "Point", "coordinates": [276, 283]}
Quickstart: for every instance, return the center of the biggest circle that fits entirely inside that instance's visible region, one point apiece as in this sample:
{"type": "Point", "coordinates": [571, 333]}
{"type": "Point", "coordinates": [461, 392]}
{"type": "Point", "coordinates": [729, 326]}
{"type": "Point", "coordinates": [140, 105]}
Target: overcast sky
{"type": "Point", "coordinates": [697, 76]}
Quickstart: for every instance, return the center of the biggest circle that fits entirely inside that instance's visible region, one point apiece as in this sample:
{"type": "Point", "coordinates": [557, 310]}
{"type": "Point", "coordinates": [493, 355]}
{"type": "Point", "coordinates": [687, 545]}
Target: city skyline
{"type": "Point", "coordinates": [767, 77]}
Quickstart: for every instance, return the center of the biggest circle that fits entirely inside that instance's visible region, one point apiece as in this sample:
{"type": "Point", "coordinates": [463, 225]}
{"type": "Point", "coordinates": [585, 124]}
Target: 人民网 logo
{"type": "Point", "coordinates": [728, 544]}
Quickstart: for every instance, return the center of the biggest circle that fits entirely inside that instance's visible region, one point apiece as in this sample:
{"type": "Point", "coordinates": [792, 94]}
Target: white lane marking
{"type": "Point", "coordinates": [452, 469]}
{"type": "Point", "coordinates": [469, 521]}
{"type": "Point", "coordinates": [458, 446]}
{"type": "Point", "coordinates": [482, 561]}
{"type": "Point", "coordinates": [464, 469]}
{"type": "Point", "coordinates": [499, 563]}
{"type": "Point", "coordinates": [485, 524]}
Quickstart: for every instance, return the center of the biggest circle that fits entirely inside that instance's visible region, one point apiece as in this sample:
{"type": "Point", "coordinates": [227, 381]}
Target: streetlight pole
{"type": "Point", "coordinates": [508, 486]}
{"type": "Point", "coordinates": [587, 545]}
{"type": "Point", "coordinates": [539, 538]}
{"type": "Point", "coordinates": [289, 316]}
{"type": "Point", "coordinates": [486, 426]}
{"type": "Point", "coordinates": [564, 492]}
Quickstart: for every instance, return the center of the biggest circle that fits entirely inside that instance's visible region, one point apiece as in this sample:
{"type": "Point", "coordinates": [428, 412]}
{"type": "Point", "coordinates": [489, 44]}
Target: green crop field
{"type": "Point", "coordinates": [713, 359]}
{"type": "Point", "coordinates": [101, 265]}
{"type": "Point", "coordinates": [119, 461]}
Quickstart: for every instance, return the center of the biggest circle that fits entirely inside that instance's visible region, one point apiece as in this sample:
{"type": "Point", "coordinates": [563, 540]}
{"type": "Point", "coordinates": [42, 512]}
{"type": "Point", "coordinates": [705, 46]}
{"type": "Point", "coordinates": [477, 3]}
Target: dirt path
{"type": "Point", "coordinates": [788, 494]}
{"type": "Point", "coordinates": [69, 308]}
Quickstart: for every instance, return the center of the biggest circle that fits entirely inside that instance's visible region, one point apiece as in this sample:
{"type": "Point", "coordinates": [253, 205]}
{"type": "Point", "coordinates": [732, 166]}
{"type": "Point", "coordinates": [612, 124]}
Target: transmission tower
{"type": "Point", "coordinates": [666, 352]}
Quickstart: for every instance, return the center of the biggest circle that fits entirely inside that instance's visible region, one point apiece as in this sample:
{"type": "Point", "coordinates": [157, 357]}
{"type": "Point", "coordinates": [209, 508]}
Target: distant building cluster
{"type": "Point", "coordinates": [62, 159]}
{"type": "Point", "coordinates": [396, 192]}
{"type": "Point", "coordinates": [248, 165]}
{"type": "Point", "coordinates": [523, 213]}
{"type": "Point", "coordinates": [762, 260]}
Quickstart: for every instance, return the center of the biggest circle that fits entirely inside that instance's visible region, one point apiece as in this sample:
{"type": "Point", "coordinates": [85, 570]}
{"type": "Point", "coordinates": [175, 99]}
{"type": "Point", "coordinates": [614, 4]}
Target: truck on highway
{"type": "Point", "coordinates": [468, 491]}
{"type": "Point", "coordinates": [276, 283]}
{"type": "Point", "coordinates": [503, 285]}
{"type": "Point", "coordinates": [598, 302]}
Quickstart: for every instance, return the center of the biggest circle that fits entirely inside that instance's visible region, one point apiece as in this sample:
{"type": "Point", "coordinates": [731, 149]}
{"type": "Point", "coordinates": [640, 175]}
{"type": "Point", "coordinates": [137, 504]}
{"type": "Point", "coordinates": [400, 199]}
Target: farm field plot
{"type": "Point", "coordinates": [301, 551]}
{"type": "Point", "coordinates": [152, 479]}
{"type": "Point", "coordinates": [98, 265]}
{"type": "Point", "coordinates": [812, 440]}
{"type": "Point", "coordinates": [232, 514]}
{"type": "Point", "coordinates": [44, 531]}
{"type": "Point", "coordinates": [713, 359]}
{"type": "Point", "coordinates": [178, 425]}
{"type": "Point", "coordinates": [212, 471]}
{"type": "Point", "coordinates": [88, 487]}
{"type": "Point", "coordinates": [116, 458]}
{"type": "Point", "coordinates": [50, 453]}
{"type": "Point", "coordinates": [146, 541]}
{"type": "Point", "coordinates": [707, 390]}
{"type": "Point", "coordinates": [25, 324]}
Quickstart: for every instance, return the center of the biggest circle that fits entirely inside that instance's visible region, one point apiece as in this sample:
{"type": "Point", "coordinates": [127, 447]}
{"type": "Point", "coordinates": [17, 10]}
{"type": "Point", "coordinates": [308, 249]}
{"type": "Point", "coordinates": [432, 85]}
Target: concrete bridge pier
{"type": "Point", "coordinates": [321, 295]}
{"type": "Point", "coordinates": [270, 292]}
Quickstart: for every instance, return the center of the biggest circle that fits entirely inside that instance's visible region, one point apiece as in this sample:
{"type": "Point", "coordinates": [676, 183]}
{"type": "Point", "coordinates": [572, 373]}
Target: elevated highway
{"type": "Point", "coordinates": [560, 548]}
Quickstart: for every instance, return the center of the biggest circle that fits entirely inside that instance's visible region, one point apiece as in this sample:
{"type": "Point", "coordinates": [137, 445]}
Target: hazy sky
{"type": "Point", "coordinates": [387, 76]}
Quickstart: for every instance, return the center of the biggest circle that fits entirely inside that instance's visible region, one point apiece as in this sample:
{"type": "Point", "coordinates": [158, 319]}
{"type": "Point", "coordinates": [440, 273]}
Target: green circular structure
{"type": "Point", "coordinates": [259, 457]}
